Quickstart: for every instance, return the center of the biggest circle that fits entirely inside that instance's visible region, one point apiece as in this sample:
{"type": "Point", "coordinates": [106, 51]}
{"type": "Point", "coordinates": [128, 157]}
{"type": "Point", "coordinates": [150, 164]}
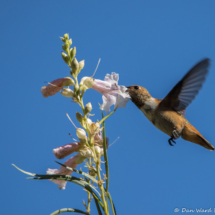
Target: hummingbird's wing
{"type": "Point", "coordinates": [185, 90]}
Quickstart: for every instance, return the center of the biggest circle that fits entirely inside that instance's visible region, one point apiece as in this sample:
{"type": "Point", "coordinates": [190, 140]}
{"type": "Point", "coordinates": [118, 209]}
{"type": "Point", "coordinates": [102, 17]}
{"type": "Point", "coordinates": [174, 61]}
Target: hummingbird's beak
{"type": "Point", "coordinates": [128, 90]}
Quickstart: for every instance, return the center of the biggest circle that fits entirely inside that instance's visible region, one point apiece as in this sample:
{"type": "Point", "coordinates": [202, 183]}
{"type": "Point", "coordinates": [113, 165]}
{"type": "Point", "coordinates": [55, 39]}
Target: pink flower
{"type": "Point", "coordinates": [72, 162]}
{"type": "Point", "coordinates": [65, 150]}
{"type": "Point", "coordinates": [83, 153]}
{"type": "Point", "coordinates": [113, 94]}
{"type": "Point", "coordinates": [54, 87]}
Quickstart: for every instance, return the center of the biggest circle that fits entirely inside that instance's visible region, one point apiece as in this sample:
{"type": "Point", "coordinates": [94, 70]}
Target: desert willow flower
{"type": "Point", "coordinates": [113, 94]}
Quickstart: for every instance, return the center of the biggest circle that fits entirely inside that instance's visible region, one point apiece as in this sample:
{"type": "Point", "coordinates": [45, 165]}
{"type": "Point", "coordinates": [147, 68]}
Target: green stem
{"type": "Point", "coordinates": [101, 187]}
{"type": "Point", "coordinates": [105, 156]}
{"type": "Point", "coordinates": [96, 159]}
{"type": "Point", "coordinates": [88, 201]}
{"type": "Point", "coordinates": [103, 119]}
{"type": "Point", "coordinates": [88, 193]}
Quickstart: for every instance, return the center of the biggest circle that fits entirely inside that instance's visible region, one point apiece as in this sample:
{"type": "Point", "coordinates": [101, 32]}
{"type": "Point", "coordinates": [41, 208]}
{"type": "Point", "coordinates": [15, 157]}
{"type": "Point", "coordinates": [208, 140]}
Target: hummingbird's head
{"type": "Point", "coordinates": [139, 95]}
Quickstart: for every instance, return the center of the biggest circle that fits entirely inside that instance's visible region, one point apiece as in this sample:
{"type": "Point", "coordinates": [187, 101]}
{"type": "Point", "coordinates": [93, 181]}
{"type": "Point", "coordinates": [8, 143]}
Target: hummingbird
{"type": "Point", "coordinates": [168, 114]}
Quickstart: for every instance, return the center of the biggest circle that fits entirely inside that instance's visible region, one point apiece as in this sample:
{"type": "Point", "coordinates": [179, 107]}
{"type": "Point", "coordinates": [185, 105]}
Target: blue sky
{"type": "Point", "coordinates": [149, 43]}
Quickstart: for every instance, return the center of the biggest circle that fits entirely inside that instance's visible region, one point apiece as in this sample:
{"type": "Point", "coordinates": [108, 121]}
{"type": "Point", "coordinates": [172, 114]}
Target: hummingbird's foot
{"type": "Point", "coordinates": [175, 135]}
{"type": "Point", "coordinates": [171, 140]}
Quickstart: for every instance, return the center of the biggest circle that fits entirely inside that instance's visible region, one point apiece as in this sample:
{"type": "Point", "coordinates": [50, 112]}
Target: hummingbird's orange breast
{"type": "Point", "coordinates": [167, 121]}
{"type": "Point", "coordinates": [164, 119]}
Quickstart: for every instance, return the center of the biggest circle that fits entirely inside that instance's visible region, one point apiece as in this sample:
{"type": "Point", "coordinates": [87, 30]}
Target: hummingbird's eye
{"type": "Point", "coordinates": [136, 87]}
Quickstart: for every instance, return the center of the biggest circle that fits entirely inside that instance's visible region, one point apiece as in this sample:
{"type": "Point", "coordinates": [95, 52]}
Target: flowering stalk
{"type": "Point", "coordinates": [92, 144]}
{"type": "Point", "coordinates": [79, 99]}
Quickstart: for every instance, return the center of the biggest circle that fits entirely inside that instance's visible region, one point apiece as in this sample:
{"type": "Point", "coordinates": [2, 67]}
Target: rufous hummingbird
{"type": "Point", "coordinates": [168, 114]}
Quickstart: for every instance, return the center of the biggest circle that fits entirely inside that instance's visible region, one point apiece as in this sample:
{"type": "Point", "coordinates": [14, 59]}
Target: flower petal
{"type": "Point", "coordinates": [101, 86]}
{"type": "Point", "coordinates": [63, 171]}
{"type": "Point", "coordinates": [108, 101]}
{"type": "Point", "coordinates": [53, 87]}
{"type": "Point", "coordinates": [65, 150]}
{"type": "Point", "coordinates": [113, 94]}
{"type": "Point", "coordinates": [113, 78]}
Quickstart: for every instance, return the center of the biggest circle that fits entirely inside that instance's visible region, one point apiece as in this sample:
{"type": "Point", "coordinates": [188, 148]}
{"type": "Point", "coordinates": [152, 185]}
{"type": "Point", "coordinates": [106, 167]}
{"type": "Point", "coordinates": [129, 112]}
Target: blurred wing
{"type": "Point", "coordinates": [185, 90]}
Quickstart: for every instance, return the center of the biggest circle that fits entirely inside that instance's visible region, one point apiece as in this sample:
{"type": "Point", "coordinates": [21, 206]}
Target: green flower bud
{"type": "Point", "coordinates": [76, 88]}
{"type": "Point", "coordinates": [88, 108]}
{"type": "Point", "coordinates": [65, 57]}
{"type": "Point", "coordinates": [86, 83]}
{"type": "Point", "coordinates": [86, 152]}
{"type": "Point", "coordinates": [70, 42]}
{"type": "Point", "coordinates": [99, 151]}
{"type": "Point", "coordinates": [68, 82]}
{"type": "Point", "coordinates": [67, 92]}
{"type": "Point", "coordinates": [62, 38]}
{"type": "Point", "coordinates": [66, 36]}
{"type": "Point", "coordinates": [74, 65]}
{"type": "Point", "coordinates": [79, 117]}
{"type": "Point", "coordinates": [64, 47]}
{"type": "Point", "coordinates": [67, 43]}
{"type": "Point", "coordinates": [81, 64]}
{"type": "Point", "coordinates": [72, 73]}
{"type": "Point", "coordinates": [72, 52]}
{"type": "Point", "coordinates": [81, 133]}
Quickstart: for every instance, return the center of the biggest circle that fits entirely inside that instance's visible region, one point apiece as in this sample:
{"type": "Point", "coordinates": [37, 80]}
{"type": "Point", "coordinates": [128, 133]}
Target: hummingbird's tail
{"type": "Point", "coordinates": [189, 133]}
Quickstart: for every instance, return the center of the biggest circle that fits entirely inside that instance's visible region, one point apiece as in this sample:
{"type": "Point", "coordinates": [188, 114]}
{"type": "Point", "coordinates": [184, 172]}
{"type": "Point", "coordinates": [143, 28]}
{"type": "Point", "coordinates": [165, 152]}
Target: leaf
{"type": "Point", "coordinates": [112, 204]}
{"type": "Point", "coordinates": [68, 210]}
{"type": "Point", "coordinates": [80, 172]}
{"type": "Point", "coordinates": [97, 206]}
{"type": "Point", "coordinates": [81, 182]}
{"type": "Point", "coordinates": [75, 180]}
{"type": "Point", "coordinates": [97, 201]}
{"type": "Point", "coordinates": [28, 173]}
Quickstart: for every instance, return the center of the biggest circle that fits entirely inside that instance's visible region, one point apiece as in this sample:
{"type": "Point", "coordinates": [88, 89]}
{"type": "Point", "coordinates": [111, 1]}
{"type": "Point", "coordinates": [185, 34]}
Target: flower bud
{"type": "Point", "coordinates": [72, 52]}
{"type": "Point", "coordinates": [76, 88]}
{"type": "Point", "coordinates": [68, 82]}
{"type": "Point", "coordinates": [87, 82]}
{"type": "Point", "coordinates": [62, 38]}
{"type": "Point", "coordinates": [70, 42]}
{"type": "Point", "coordinates": [83, 141]}
{"type": "Point", "coordinates": [67, 92]}
{"type": "Point", "coordinates": [81, 133]}
{"type": "Point", "coordinates": [88, 108]}
{"type": "Point", "coordinates": [74, 65]}
{"type": "Point", "coordinates": [65, 57]}
{"type": "Point", "coordinates": [76, 100]}
{"type": "Point", "coordinates": [81, 64]}
{"type": "Point", "coordinates": [86, 153]}
{"type": "Point", "coordinates": [89, 121]}
{"type": "Point", "coordinates": [99, 151]}
{"type": "Point", "coordinates": [64, 47]}
{"type": "Point", "coordinates": [79, 117]}
{"type": "Point", "coordinates": [66, 36]}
